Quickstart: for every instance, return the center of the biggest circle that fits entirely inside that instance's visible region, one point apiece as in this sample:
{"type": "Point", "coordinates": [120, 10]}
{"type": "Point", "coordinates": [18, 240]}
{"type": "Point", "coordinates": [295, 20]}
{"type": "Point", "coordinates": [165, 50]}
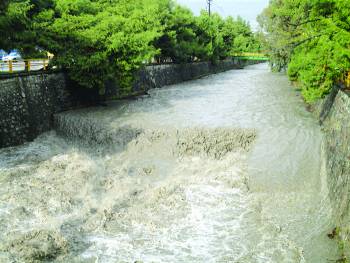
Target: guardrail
{"type": "Point", "coordinates": [26, 65]}
{"type": "Point", "coordinates": [347, 80]}
{"type": "Point", "coordinates": [14, 66]}
{"type": "Point", "coordinates": [251, 56]}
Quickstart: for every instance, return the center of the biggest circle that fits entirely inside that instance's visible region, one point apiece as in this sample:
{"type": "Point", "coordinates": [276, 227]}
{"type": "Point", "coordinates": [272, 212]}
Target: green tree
{"type": "Point", "coordinates": [241, 36]}
{"type": "Point", "coordinates": [223, 38]}
{"type": "Point", "coordinates": [97, 40]}
{"type": "Point", "coordinates": [311, 39]}
{"type": "Point", "coordinates": [179, 40]}
{"type": "Point", "coordinates": [210, 32]}
{"type": "Point", "coordinates": [16, 24]}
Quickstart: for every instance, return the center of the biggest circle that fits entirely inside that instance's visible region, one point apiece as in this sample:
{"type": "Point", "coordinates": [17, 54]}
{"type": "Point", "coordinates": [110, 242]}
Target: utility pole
{"type": "Point", "coordinates": [209, 6]}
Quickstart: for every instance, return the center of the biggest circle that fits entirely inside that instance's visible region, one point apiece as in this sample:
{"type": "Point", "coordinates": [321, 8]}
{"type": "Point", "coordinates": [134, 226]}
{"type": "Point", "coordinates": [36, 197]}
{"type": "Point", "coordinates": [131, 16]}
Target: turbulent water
{"type": "Point", "coordinates": [228, 168]}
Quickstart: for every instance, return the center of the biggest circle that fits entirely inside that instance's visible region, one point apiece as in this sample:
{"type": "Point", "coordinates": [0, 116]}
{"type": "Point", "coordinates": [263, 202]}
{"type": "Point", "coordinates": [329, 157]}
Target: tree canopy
{"type": "Point", "coordinates": [311, 39]}
{"type": "Point", "coordinates": [95, 40]}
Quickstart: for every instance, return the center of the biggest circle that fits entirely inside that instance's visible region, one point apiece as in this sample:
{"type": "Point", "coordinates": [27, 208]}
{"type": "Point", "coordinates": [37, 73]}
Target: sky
{"type": "Point", "coordinates": [247, 9]}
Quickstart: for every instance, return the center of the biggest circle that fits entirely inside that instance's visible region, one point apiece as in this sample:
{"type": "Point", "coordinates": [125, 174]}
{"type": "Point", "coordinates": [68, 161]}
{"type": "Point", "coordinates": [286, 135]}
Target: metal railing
{"type": "Point", "coordinates": [26, 65]}
{"type": "Point", "coordinates": [347, 80]}
{"type": "Point", "coordinates": [251, 56]}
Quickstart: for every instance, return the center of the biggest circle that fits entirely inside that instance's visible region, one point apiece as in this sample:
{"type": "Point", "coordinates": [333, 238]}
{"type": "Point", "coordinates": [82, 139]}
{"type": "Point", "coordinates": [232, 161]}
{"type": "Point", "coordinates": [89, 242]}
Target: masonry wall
{"type": "Point", "coordinates": [28, 102]}
{"type": "Point", "coordinates": [156, 76]}
{"type": "Point", "coordinates": [334, 114]}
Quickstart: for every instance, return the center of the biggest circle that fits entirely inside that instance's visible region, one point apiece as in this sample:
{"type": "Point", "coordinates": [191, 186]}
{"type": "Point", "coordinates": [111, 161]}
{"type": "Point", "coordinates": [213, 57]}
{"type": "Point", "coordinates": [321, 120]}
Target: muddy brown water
{"type": "Point", "coordinates": [227, 168]}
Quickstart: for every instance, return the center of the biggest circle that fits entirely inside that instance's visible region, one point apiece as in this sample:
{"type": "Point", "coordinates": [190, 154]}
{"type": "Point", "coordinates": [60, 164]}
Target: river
{"type": "Point", "coordinates": [227, 168]}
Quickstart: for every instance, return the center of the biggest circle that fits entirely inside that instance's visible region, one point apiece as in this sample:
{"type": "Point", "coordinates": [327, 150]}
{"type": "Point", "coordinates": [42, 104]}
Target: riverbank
{"type": "Point", "coordinates": [226, 168]}
{"type": "Point", "coordinates": [28, 102]}
{"type": "Point", "coordinates": [334, 115]}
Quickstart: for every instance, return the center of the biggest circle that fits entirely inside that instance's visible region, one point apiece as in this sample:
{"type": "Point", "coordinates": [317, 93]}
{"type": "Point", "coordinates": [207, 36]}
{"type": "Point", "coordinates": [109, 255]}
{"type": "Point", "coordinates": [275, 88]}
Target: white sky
{"type": "Point", "coordinates": [247, 9]}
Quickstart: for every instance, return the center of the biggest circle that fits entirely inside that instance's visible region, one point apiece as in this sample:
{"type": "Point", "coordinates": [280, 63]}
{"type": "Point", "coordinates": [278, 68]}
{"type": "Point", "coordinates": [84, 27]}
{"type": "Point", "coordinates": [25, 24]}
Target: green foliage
{"type": "Point", "coordinates": [16, 25]}
{"type": "Point", "coordinates": [178, 41]}
{"type": "Point", "coordinates": [311, 39]}
{"type": "Point", "coordinates": [225, 37]}
{"type": "Point", "coordinates": [243, 39]}
{"type": "Point", "coordinates": [98, 40]}
{"type": "Point", "coordinates": [187, 38]}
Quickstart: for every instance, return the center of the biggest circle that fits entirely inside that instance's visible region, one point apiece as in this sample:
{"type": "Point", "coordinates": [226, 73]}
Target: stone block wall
{"type": "Point", "coordinates": [156, 76]}
{"type": "Point", "coordinates": [28, 101]}
{"type": "Point", "coordinates": [27, 104]}
{"type": "Point", "coordinates": [334, 114]}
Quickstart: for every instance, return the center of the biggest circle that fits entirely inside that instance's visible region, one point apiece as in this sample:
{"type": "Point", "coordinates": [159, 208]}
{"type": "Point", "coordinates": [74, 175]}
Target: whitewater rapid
{"type": "Point", "coordinates": [228, 168]}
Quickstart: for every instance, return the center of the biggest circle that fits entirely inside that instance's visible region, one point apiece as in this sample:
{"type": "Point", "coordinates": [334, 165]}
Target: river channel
{"type": "Point", "coordinates": [226, 168]}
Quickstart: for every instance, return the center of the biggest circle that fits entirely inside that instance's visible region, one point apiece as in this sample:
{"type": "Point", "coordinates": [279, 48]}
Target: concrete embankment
{"type": "Point", "coordinates": [28, 101]}
{"type": "Point", "coordinates": [334, 114]}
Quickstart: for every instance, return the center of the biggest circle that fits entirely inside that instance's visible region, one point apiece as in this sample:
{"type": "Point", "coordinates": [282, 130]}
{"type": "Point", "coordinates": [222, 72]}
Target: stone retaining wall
{"type": "Point", "coordinates": [27, 104]}
{"type": "Point", "coordinates": [157, 76]}
{"type": "Point", "coordinates": [28, 101]}
{"type": "Point", "coordinates": [334, 114]}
